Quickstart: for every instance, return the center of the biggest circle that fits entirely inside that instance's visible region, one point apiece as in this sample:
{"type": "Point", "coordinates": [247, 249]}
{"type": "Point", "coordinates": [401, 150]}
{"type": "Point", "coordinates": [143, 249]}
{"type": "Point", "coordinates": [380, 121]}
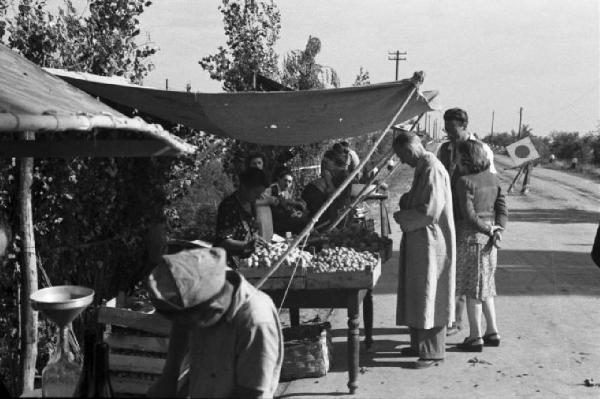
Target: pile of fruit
{"type": "Point", "coordinates": [359, 238]}
{"type": "Point", "coordinates": [266, 255]}
{"type": "Point", "coordinates": [341, 259]}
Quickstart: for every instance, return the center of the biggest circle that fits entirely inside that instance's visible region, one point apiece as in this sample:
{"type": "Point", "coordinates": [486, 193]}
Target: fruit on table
{"type": "Point", "coordinates": [359, 238]}
{"type": "Point", "coordinates": [342, 259]}
{"type": "Point", "coordinates": [266, 255]}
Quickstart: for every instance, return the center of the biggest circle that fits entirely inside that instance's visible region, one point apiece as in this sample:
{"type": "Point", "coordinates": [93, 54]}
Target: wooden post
{"type": "Point", "coordinates": [29, 317]}
{"type": "Point", "coordinates": [515, 180]}
{"type": "Point", "coordinates": [428, 125]}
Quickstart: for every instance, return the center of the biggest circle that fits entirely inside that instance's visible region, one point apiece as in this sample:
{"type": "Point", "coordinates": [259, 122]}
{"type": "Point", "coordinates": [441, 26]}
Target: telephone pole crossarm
{"type": "Point", "coordinates": [397, 57]}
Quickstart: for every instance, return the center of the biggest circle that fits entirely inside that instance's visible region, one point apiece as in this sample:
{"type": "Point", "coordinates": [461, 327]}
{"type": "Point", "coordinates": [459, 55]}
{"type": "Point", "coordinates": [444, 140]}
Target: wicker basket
{"type": "Point", "coordinates": [308, 351]}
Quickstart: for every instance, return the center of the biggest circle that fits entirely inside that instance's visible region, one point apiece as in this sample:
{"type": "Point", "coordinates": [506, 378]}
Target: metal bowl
{"type": "Point", "coordinates": [62, 303]}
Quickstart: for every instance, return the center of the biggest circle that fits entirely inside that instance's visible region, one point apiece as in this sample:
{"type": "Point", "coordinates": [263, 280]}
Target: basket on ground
{"type": "Point", "coordinates": [308, 351]}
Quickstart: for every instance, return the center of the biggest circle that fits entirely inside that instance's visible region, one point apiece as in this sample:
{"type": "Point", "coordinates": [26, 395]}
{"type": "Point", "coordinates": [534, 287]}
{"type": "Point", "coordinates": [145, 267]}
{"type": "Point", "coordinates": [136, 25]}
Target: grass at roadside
{"type": "Point", "coordinates": [587, 170]}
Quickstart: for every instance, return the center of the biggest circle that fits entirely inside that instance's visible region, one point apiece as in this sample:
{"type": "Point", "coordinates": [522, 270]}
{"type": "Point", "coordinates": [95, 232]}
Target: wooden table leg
{"type": "Point", "coordinates": [353, 341]}
{"type": "Point", "coordinates": [368, 318]}
{"type": "Point", "coordinates": [295, 317]}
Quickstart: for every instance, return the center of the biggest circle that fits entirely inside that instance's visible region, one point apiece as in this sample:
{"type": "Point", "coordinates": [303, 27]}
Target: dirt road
{"type": "Point", "coordinates": [548, 310]}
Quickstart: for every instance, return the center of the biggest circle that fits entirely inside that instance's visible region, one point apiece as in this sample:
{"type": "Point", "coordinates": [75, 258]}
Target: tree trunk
{"type": "Point", "coordinates": [29, 317]}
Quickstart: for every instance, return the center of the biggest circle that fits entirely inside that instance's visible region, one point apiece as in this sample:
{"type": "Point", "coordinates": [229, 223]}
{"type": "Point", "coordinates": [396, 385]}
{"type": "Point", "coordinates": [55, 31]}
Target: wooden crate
{"type": "Point", "coordinates": [139, 343]}
{"type": "Point", "coordinates": [359, 279]}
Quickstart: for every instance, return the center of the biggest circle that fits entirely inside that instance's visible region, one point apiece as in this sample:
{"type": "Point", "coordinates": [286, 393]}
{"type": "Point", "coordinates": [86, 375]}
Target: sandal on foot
{"type": "Point", "coordinates": [454, 329]}
{"type": "Point", "coordinates": [492, 339]}
{"type": "Point", "coordinates": [426, 363]}
{"type": "Point", "coordinates": [471, 345]}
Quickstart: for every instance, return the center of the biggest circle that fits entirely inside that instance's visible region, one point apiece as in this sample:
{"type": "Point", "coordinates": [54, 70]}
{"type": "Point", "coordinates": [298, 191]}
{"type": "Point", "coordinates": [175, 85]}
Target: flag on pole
{"type": "Point", "coordinates": [522, 151]}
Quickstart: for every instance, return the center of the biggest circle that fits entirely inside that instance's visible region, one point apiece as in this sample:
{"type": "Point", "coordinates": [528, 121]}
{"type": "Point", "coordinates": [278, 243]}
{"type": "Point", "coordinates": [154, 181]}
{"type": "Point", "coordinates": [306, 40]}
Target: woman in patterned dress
{"type": "Point", "coordinates": [236, 218]}
{"type": "Point", "coordinates": [483, 217]}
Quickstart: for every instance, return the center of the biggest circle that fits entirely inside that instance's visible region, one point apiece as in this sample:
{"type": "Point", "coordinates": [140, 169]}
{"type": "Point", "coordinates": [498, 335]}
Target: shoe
{"type": "Point", "coordinates": [471, 345]}
{"type": "Point", "coordinates": [453, 330]}
{"type": "Point", "coordinates": [426, 363]}
{"type": "Point", "coordinates": [409, 352]}
{"type": "Point", "coordinates": [492, 339]}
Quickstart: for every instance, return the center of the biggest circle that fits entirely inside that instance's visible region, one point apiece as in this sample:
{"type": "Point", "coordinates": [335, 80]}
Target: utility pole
{"type": "Point", "coordinates": [492, 130]}
{"type": "Point", "coordinates": [396, 56]}
{"type": "Point", "coordinates": [520, 120]}
{"type": "Point", "coordinates": [166, 84]}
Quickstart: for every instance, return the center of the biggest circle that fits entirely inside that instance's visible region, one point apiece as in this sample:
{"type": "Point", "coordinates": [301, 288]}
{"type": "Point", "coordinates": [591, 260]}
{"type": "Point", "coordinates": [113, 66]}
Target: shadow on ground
{"type": "Point", "coordinates": [313, 394]}
{"type": "Point", "coordinates": [524, 272]}
{"type": "Point", "coordinates": [554, 216]}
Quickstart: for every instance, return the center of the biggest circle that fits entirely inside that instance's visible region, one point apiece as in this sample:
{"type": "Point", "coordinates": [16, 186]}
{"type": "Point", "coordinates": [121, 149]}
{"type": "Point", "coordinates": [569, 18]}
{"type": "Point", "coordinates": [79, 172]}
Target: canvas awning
{"type": "Point", "coordinates": [276, 118]}
{"type": "Point", "coordinates": [32, 100]}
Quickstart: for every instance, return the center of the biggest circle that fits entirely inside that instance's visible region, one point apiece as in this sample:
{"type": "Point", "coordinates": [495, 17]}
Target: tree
{"type": "Point", "coordinates": [526, 131]}
{"type": "Point", "coordinates": [252, 29]}
{"type": "Point", "coordinates": [363, 78]}
{"type": "Point", "coordinates": [301, 71]}
{"type": "Point", "coordinates": [103, 43]}
{"type": "Point", "coordinates": [102, 204]}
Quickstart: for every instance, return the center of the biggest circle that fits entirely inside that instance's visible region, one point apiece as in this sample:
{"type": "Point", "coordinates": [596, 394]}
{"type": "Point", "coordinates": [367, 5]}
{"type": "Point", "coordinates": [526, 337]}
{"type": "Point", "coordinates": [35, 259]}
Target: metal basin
{"type": "Point", "coordinates": [63, 303]}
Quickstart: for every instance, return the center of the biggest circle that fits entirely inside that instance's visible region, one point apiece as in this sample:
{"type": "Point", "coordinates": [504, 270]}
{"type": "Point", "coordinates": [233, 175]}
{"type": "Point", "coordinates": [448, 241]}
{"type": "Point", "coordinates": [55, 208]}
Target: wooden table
{"type": "Point", "coordinates": [350, 299]}
{"type": "Point", "coordinates": [345, 290]}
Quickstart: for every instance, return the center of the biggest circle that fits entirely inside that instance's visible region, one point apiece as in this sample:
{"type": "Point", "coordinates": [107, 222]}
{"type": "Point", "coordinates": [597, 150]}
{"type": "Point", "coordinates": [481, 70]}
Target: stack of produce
{"type": "Point", "coordinates": [341, 259]}
{"type": "Point", "coordinates": [359, 238]}
{"type": "Point", "coordinates": [266, 255]}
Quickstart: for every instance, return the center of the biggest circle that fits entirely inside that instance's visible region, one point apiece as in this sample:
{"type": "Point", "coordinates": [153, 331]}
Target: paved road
{"type": "Point", "coordinates": [548, 310]}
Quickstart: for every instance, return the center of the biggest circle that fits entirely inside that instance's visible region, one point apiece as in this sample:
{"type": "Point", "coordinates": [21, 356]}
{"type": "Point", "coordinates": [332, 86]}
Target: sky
{"type": "Point", "coordinates": [483, 56]}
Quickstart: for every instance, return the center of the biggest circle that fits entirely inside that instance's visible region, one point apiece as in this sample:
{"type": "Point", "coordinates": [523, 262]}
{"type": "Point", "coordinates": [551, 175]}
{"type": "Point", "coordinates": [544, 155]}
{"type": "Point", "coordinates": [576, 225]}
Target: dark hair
{"type": "Point", "coordinates": [404, 137]}
{"type": "Point", "coordinates": [339, 158]}
{"type": "Point", "coordinates": [254, 155]}
{"type": "Point", "coordinates": [340, 148]}
{"type": "Point", "coordinates": [457, 114]}
{"type": "Point", "coordinates": [282, 171]}
{"type": "Point", "coordinates": [253, 177]}
{"type": "Point", "coordinates": [473, 156]}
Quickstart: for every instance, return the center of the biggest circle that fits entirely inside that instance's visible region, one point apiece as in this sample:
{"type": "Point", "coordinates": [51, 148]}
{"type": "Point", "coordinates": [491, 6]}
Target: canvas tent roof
{"type": "Point", "coordinates": [33, 100]}
{"type": "Point", "coordinates": [276, 118]}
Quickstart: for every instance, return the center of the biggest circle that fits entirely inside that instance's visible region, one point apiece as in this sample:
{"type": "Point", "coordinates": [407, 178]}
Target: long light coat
{"type": "Point", "coordinates": [427, 275]}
